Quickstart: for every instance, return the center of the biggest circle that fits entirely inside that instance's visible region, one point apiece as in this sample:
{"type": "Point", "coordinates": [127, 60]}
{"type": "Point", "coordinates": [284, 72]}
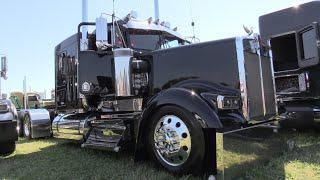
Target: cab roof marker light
{"type": "Point", "coordinates": [132, 15]}
{"type": "Point", "coordinates": [167, 25]}
{"type": "Point", "coordinates": [157, 21]}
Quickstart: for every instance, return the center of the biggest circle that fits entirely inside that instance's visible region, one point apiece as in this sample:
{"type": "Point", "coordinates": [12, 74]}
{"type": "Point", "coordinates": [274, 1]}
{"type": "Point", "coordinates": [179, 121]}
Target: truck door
{"type": "Point", "coordinates": [308, 45]}
{"type": "Point", "coordinates": [66, 81]}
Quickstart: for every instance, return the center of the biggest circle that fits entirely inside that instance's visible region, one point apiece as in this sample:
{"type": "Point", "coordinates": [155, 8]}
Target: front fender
{"type": "Point", "coordinates": [181, 97]}
{"type": "Point", "coordinates": [188, 100]}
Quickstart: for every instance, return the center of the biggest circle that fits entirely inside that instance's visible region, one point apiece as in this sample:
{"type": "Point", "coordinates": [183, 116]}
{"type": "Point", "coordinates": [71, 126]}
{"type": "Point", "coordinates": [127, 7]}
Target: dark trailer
{"type": "Point", "coordinates": [140, 83]}
{"type": "Point", "coordinates": [293, 34]}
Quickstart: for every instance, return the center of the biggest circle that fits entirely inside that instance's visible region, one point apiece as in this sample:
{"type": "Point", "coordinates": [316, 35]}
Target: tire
{"type": "Point", "coordinates": [189, 158]}
{"type": "Point", "coordinates": [27, 133]}
{"type": "Point", "coordinates": [7, 148]}
{"type": "Point", "coordinates": [20, 128]}
{"type": "Point", "coordinates": [317, 127]}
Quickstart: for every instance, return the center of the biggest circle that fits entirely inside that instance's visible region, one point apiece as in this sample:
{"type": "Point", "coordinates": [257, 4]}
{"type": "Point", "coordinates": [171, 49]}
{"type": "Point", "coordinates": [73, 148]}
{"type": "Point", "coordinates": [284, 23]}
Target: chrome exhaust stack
{"type": "Point", "coordinates": [122, 69]}
{"type": "Point", "coordinates": [84, 33]}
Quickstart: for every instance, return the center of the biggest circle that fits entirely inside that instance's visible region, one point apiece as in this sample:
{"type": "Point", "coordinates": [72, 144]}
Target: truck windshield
{"type": "Point", "coordinates": [145, 42]}
{"type": "Point", "coordinates": [33, 98]}
{"type": "Point", "coordinates": [151, 42]}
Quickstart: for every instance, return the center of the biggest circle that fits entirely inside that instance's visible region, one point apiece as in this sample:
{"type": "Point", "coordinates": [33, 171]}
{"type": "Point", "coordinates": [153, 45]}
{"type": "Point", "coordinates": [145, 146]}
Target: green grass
{"type": "Point", "coordinates": [301, 163]}
{"type": "Point", "coordinates": [62, 159]}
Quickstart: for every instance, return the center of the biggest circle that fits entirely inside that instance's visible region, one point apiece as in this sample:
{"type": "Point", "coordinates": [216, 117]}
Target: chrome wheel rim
{"type": "Point", "coordinates": [172, 140]}
{"type": "Point", "coordinates": [26, 127]}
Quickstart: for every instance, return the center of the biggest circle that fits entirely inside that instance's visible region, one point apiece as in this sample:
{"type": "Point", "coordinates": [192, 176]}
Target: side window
{"type": "Point", "coordinates": [170, 44]}
{"type": "Point", "coordinates": [119, 38]}
{"type": "Point", "coordinates": [60, 57]}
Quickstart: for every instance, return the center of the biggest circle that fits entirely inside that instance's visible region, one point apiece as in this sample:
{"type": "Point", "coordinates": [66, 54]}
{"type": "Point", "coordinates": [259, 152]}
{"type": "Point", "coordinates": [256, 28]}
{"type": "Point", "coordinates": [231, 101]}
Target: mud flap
{"type": "Point", "coordinates": [210, 160]}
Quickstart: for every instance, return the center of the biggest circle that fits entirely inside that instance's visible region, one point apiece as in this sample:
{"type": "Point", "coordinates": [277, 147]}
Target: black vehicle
{"type": "Point", "coordinates": [140, 84]}
{"type": "Point", "coordinates": [8, 127]}
{"type": "Point", "coordinates": [293, 35]}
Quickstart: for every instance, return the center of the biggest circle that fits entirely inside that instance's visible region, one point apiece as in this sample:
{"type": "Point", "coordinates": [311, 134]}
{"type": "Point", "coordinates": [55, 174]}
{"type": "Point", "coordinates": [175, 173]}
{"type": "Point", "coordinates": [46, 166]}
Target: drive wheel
{"type": "Point", "coordinates": [7, 148]}
{"type": "Point", "coordinates": [27, 127]}
{"type": "Point", "coordinates": [19, 128]}
{"type": "Point", "coordinates": [176, 140]}
{"type": "Point", "coordinates": [317, 127]}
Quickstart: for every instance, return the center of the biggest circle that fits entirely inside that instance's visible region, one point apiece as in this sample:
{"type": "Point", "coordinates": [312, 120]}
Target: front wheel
{"type": "Point", "coordinates": [7, 148]}
{"type": "Point", "coordinates": [176, 140]}
{"type": "Point", "coordinates": [27, 127]}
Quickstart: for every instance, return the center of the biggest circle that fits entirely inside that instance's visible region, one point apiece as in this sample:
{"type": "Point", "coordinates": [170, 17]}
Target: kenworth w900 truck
{"type": "Point", "coordinates": [132, 83]}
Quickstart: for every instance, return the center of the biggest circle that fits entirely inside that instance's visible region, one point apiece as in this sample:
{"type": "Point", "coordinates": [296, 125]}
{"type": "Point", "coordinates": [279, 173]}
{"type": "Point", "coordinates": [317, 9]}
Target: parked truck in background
{"type": "Point", "coordinates": [34, 119]}
{"type": "Point", "coordinates": [8, 127]}
{"type": "Point", "coordinates": [293, 35]}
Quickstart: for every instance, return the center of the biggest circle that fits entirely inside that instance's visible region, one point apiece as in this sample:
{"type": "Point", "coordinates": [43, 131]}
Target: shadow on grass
{"type": "Point", "coordinates": [256, 159]}
{"type": "Point", "coordinates": [62, 159]}
{"type": "Point", "coordinates": [274, 157]}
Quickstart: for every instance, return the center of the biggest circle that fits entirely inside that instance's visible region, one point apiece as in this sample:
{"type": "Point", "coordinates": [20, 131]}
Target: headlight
{"type": "Point", "coordinates": [86, 87]}
{"type": "Point", "coordinates": [4, 108]}
{"type": "Point", "coordinates": [228, 102]}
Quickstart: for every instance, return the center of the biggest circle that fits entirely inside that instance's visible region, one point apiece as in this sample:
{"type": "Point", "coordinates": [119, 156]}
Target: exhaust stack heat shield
{"type": "Point", "coordinates": [122, 61]}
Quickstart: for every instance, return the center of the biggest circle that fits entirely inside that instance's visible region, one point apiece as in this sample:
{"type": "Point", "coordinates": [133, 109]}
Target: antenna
{"type": "Point", "coordinates": [3, 72]}
{"type": "Point", "coordinates": [25, 92]}
{"type": "Point", "coordinates": [156, 10]}
{"type": "Point", "coordinates": [193, 37]}
{"type": "Point", "coordinates": [113, 39]}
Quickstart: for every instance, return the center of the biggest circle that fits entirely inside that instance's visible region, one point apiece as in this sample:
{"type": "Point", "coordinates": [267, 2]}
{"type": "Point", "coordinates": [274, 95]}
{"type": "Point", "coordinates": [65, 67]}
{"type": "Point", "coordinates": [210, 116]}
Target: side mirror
{"type": "Point", "coordinates": [4, 67]}
{"type": "Point", "coordinates": [102, 33]}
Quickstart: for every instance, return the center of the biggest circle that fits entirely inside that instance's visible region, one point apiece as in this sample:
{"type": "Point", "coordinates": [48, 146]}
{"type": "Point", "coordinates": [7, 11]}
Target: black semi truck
{"type": "Point", "coordinates": [140, 85]}
{"type": "Point", "coordinates": [293, 35]}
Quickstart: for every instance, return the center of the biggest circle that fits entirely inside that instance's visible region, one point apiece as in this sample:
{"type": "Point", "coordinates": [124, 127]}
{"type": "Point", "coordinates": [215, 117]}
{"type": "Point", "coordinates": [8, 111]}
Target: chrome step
{"type": "Point", "coordinates": [109, 147]}
{"type": "Point", "coordinates": [105, 136]}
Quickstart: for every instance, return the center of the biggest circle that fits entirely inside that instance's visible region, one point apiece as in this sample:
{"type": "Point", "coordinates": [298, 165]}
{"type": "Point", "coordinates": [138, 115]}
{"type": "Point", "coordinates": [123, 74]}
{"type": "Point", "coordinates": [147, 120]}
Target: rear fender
{"type": "Point", "coordinates": [40, 122]}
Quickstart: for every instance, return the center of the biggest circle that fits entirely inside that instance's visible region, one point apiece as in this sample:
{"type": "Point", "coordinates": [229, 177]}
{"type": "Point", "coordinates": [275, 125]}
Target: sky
{"type": "Point", "coordinates": [30, 30]}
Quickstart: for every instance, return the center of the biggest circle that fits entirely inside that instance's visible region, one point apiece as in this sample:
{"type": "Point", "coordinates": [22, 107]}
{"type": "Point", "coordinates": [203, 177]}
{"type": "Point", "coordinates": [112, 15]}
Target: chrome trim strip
{"type": "Point", "coordinates": [288, 93]}
{"type": "Point", "coordinates": [288, 75]}
{"type": "Point", "coordinates": [261, 74]}
{"type": "Point", "coordinates": [273, 79]}
{"type": "Point", "coordinates": [242, 77]}
{"type": "Point", "coordinates": [297, 98]}
{"type": "Point", "coordinates": [286, 71]}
